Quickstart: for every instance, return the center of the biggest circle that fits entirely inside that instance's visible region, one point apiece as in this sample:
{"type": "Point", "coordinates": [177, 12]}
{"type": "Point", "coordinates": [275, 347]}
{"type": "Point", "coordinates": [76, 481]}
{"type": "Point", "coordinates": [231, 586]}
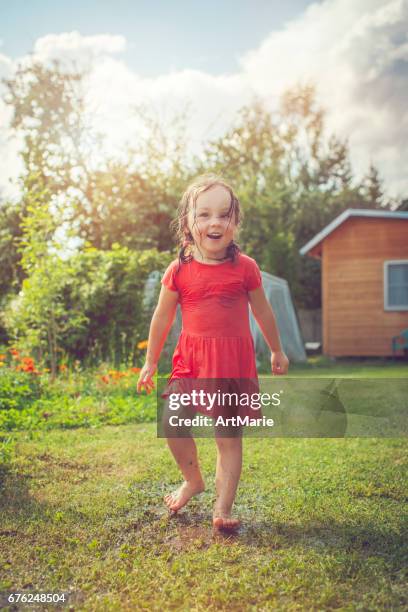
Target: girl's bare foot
{"type": "Point", "coordinates": [223, 520]}
{"type": "Point", "coordinates": [179, 498]}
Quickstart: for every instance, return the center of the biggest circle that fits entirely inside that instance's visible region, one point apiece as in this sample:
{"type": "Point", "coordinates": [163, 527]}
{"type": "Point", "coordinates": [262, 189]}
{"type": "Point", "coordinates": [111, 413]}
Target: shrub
{"type": "Point", "coordinates": [90, 308]}
{"type": "Point", "coordinates": [18, 389]}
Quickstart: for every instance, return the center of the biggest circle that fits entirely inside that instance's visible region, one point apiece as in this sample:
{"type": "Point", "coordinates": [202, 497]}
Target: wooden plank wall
{"type": "Point", "coordinates": [354, 320]}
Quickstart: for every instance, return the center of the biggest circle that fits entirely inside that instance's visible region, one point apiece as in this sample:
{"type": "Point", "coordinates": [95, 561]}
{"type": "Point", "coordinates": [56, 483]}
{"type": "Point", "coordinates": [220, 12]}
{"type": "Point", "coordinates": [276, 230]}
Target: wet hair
{"type": "Point", "coordinates": [189, 202]}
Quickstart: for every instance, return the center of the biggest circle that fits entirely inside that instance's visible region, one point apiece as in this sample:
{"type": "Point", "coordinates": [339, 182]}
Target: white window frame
{"type": "Point", "coordinates": [386, 266]}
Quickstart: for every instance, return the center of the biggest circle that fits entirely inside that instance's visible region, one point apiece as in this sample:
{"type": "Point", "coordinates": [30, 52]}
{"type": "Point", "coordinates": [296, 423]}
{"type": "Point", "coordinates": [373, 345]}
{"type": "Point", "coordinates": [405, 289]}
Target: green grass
{"type": "Point", "coordinates": [324, 524]}
{"type": "Point", "coordinates": [320, 365]}
{"type": "Point", "coordinates": [324, 520]}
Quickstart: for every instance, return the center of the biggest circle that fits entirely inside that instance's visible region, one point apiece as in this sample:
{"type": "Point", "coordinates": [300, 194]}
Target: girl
{"type": "Point", "coordinates": [213, 281]}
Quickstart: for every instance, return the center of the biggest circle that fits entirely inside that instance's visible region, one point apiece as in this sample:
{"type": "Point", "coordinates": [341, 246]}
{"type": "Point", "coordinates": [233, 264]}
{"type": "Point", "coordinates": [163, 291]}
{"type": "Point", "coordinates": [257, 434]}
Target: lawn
{"type": "Point", "coordinates": [320, 365]}
{"type": "Point", "coordinates": [324, 522]}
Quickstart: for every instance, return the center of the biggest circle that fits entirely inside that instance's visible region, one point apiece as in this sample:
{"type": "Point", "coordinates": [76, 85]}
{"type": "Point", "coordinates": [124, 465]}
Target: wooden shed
{"type": "Point", "coordinates": [364, 263]}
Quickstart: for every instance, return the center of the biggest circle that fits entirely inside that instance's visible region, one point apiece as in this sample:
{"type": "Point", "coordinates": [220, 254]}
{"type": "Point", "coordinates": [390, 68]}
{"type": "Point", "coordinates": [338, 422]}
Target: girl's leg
{"type": "Point", "coordinates": [184, 451]}
{"type": "Point", "coordinates": [229, 464]}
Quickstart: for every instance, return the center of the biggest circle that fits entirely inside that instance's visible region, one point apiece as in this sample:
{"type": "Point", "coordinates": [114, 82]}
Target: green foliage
{"type": "Point", "coordinates": [18, 390]}
{"type": "Point", "coordinates": [91, 306]}
{"type": "Point", "coordinates": [90, 397]}
{"type": "Point", "coordinates": [11, 271]}
{"type": "Point", "coordinates": [69, 413]}
{"type": "Point", "coordinates": [75, 399]}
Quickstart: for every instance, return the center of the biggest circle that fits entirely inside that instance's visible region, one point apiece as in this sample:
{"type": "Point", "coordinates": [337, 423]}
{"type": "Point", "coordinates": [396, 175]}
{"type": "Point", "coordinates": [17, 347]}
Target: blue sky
{"type": "Point", "coordinates": [161, 34]}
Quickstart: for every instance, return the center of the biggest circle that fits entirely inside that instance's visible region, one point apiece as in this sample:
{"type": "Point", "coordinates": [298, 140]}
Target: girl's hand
{"type": "Point", "coordinates": [279, 363]}
{"type": "Point", "coordinates": [145, 377]}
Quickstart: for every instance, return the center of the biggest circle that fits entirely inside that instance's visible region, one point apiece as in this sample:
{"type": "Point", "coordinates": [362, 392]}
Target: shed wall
{"type": "Point", "coordinates": [354, 320]}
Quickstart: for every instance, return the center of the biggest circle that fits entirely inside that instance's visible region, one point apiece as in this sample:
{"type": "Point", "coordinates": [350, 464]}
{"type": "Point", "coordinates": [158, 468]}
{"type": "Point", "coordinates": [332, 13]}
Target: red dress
{"type": "Point", "coordinates": [215, 341]}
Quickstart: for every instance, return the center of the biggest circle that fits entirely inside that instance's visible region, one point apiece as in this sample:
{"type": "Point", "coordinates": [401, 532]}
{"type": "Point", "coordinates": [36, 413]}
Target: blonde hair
{"type": "Point", "coordinates": [189, 202]}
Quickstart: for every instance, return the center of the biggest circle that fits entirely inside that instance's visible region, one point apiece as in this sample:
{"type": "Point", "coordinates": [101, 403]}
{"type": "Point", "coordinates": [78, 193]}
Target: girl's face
{"type": "Point", "coordinates": [213, 227]}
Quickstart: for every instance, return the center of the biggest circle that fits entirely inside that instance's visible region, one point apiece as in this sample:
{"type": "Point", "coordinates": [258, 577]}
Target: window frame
{"type": "Point", "coordinates": [387, 264]}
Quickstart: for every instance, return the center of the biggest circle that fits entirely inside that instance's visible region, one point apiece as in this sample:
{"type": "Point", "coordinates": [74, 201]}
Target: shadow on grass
{"type": "Point", "coordinates": [363, 538]}
{"type": "Point", "coordinates": [15, 498]}
{"type": "Point", "coordinates": [19, 506]}
{"type": "Point", "coordinates": [191, 529]}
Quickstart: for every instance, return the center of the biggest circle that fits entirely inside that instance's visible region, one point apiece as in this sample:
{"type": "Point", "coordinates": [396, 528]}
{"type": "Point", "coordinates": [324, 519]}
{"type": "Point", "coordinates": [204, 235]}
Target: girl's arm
{"type": "Point", "coordinates": [162, 320]}
{"type": "Point", "coordinates": [263, 313]}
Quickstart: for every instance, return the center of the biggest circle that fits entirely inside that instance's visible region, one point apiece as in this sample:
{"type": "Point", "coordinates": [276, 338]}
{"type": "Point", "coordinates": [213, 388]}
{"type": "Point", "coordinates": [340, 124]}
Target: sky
{"type": "Point", "coordinates": [161, 35]}
{"type": "Point", "coordinates": [217, 56]}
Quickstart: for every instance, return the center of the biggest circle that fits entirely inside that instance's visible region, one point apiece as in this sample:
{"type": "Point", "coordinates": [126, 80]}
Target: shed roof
{"type": "Point", "coordinates": [350, 212]}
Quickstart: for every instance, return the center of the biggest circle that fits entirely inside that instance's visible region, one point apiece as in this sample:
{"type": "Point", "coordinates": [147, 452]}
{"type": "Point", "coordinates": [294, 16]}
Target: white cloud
{"type": "Point", "coordinates": [72, 46]}
{"type": "Point", "coordinates": [356, 51]}
{"type": "Point", "coordinates": [211, 100]}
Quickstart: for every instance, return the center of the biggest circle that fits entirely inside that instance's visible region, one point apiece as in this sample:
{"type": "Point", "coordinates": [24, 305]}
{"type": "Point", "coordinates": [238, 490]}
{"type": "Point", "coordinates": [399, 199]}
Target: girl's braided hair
{"type": "Point", "coordinates": [189, 201]}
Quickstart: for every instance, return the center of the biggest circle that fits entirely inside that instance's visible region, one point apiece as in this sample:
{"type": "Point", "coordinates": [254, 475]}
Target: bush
{"type": "Point", "coordinates": [18, 390]}
{"type": "Point", "coordinates": [90, 308]}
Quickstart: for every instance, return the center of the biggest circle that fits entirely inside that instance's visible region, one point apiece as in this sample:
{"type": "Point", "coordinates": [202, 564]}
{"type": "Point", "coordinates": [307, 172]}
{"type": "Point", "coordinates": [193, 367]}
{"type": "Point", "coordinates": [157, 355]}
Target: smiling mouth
{"type": "Point", "coordinates": [214, 236]}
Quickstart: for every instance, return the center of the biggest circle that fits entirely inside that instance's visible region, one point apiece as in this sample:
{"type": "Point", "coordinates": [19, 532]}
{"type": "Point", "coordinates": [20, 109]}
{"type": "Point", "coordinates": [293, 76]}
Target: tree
{"type": "Point", "coordinates": [403, 205]}
{"type": "Point", "coordinates": [89, 307]}
{"type": "Point", "coordinates": [372, 189]}
{"type": "Point", "coordinates": [11, 272]}
{"type": "Point", "coordinates": [48, 109]}
{"type": "Point", "coordinates": [292, 179]}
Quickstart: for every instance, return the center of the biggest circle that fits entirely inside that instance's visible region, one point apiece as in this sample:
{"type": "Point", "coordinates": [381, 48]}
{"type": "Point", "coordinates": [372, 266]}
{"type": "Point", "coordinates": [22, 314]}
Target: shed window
{"type": "Point", "coordinates": [396, 285]}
